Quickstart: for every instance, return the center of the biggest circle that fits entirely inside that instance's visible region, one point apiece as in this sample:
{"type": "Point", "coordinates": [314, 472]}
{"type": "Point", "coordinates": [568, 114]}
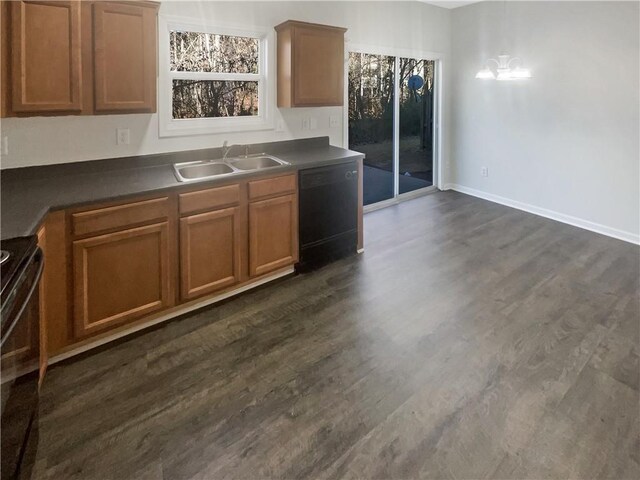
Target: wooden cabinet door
{"type": "Point", "coordinates": [273, 234]}
{"type": "Point", "coordinates": [210, 249]}
{"type": "Point", "coordinates": [124, 38]}
{"type": "Point", "coordinates": [318, 66]}
{"type": "Point", "coordinates": [121, 276]}
{"type": "Point", "coordinates": [45, 56]}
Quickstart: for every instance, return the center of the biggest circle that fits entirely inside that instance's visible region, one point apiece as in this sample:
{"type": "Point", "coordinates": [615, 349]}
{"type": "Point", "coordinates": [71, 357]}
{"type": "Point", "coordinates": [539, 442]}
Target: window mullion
{"type": "Point", "coordinates": [242, 77]}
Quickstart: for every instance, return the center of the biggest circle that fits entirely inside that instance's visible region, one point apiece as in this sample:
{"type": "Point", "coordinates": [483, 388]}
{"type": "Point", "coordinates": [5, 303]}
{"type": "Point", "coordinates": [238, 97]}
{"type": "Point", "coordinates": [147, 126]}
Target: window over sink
{"type": "Point", "coordinates": [213, 79]}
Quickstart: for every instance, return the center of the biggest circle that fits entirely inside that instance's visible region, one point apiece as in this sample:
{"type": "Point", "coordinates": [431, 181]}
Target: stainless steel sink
{"type": "Point", "coordinates": [255, 163]}
{"type": "Point", "coordinates": [190, 171]}
{"type": "Point", "coordinates": [196, 170]}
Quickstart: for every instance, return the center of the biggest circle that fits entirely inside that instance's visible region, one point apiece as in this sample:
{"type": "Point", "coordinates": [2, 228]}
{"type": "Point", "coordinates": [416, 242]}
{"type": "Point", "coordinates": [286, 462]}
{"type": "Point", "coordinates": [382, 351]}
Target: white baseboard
{"type": "Point", "coordinates": [543, 212]}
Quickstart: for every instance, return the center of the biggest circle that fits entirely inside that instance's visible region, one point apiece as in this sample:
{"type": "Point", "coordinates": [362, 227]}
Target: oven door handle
{"type": "Point", "coordinates": [38, 257]}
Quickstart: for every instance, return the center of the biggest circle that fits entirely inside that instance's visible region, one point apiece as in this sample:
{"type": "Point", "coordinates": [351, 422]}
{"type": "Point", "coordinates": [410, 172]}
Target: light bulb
{"type": "Point", "coordinates": [485, 73]}
{"type": "Point", "coordinates": [504, 74]}
{"type": "Point", "coordinates": [521, 73]}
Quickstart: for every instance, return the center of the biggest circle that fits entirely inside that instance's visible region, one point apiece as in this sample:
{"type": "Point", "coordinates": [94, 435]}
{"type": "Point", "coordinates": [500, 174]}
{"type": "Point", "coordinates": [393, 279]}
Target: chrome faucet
{"type": "Point", "coordinates": [227, 148]}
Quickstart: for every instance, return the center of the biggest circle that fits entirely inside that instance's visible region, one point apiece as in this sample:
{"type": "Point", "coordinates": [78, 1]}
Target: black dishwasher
{"type": "Point", "coordinates": [328, 214]}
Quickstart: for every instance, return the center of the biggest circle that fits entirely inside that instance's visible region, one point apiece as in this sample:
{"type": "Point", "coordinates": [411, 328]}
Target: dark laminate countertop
{"type": "Point", "coordinates": [27, 194]}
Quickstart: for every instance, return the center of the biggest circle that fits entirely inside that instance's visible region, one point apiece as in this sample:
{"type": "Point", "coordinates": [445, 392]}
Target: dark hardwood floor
{"type": "Point", "coordinates": [469, 341]}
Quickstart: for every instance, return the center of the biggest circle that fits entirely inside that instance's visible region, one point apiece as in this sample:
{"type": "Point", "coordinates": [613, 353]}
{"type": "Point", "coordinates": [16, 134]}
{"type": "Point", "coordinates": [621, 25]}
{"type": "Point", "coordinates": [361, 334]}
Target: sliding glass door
{"type": "Point", "coordinates": [415, 138]}
{"type": "Point", "coordinates": [371, 106]}
{"type": "Point", "coordinates": [391, 121]}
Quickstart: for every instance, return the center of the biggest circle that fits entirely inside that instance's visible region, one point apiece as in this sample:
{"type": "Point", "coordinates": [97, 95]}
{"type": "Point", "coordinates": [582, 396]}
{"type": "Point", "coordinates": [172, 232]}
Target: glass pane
{"type": "Point", "coordinates": [416, 124]}
{"type": "Point", "coordinates": [371, 121]}
{"type": "Point", "coordinates": [208, 52]}
{"type": "Point", "coordinates": [214, 98]}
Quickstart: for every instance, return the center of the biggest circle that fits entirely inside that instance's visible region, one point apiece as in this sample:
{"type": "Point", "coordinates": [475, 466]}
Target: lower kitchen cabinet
{"type": "Point", "coordinates": [116, 266]}
{"type": "Point", "coordinates": [273, 234]}
{"type": "Point", "coordinates": [122, 276]}
{"type": "Point", "coordinates": [210, 251]}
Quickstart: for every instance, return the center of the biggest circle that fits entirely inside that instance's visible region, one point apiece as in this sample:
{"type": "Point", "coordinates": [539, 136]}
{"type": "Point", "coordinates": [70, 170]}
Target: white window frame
{"type": "Point", "coordinates": [170, 127]}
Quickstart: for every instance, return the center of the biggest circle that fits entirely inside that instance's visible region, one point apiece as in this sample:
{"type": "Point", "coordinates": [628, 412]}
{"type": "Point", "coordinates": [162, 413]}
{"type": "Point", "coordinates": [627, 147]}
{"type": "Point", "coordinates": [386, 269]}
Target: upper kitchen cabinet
{"type": "Point", "coordinates": [310, 65]}
{"type": "Point", "coordinates": [45, 56]}
{"type": "Point", "coordinates": [72, 57]}
{"type": "Point", "coordinates": [124, 42]}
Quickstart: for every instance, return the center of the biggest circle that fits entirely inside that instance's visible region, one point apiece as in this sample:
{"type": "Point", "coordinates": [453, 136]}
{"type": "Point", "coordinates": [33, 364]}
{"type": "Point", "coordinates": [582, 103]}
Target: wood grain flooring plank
{"type": "Point", "coordinates": [470, 340]}
{"type": "Point", "coordinates": [592, 434]}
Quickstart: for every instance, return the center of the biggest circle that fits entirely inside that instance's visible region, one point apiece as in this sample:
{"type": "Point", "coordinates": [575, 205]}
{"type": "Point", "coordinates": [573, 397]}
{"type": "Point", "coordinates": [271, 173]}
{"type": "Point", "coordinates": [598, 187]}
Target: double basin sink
{"type": "Point", "coordinates": [199, 170]}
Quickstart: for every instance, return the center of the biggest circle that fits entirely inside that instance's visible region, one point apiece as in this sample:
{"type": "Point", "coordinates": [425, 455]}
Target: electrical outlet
{"type": "Point", "coordinates": [4, 145]}
{"type": "Point", "coordinates": [306, 123]}
{"type": "Point", "coordinates": [485, 171]}
{"type": "Point", "coordinates": [334, 121]}
{"type": "Point", "coordinates": [122, 136]}
{"type": "Point", "coordinates": [313, 123]}
{"type": "Point", "coordinates": [280, 126]}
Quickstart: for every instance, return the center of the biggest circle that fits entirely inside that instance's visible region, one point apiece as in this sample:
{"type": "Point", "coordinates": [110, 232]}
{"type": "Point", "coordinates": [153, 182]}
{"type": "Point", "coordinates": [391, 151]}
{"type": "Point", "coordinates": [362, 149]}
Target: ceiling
{"type": "Point", "coordinates": [449, 3]}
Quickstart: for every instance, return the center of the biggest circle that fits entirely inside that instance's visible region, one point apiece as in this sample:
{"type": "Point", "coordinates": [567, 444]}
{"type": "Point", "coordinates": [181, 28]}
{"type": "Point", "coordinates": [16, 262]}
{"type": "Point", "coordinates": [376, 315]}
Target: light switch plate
{"type": "Point", "coordinates": [334, 121]}
{"type": "Point", "coordinates": [313, 123]}
{"type": "Point", "coordinates": [123, 136]}
{"type": "Point", "coordinates": [306, 123]}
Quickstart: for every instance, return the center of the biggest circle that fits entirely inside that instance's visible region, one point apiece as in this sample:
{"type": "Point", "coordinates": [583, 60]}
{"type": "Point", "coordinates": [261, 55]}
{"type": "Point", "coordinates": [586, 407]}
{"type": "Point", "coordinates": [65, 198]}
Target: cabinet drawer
{"type": "Point", "coordinates": [110, 218]}
{"type": "Point", "coordinates": [272, 186]}
{"type": "Point", "coordinates": [209, 199]}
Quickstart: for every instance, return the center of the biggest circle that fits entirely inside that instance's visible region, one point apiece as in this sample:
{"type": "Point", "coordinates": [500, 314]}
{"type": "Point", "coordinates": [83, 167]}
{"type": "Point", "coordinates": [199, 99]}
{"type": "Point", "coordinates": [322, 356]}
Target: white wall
{"type": "Point", "coordinates": [565, 143]}
{"type": "Point", "coordinates": [405, 25]}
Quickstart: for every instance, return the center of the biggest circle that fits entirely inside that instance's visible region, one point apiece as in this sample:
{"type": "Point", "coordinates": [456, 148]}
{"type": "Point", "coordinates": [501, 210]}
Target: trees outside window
{"type": "Point", "coordinates": [391, 115]}
{"type": "Point", "coordinates": [214, 75]}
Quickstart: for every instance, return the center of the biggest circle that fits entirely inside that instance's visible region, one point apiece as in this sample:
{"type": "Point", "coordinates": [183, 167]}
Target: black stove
{"type": "Point", "coordinates": [16, 252]}
{"type": "Point", "coordinates": [20, 273]}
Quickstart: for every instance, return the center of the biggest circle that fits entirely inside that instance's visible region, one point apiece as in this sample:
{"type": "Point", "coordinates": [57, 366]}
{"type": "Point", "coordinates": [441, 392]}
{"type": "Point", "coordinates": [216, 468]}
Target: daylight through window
{"type": "Point", "coordinates": [214, 76]}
